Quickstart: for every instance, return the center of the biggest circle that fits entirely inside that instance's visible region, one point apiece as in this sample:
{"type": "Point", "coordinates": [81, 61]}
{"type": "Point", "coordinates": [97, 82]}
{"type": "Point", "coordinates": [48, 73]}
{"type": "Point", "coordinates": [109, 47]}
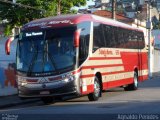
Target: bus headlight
{"type": "Point", "coordinates": [22, 81]}
{"type": "Point", "coordinates": [68, 78]}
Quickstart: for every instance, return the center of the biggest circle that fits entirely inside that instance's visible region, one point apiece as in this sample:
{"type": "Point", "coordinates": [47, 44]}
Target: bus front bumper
{"type": "Point", "coordinates": [47, 89]}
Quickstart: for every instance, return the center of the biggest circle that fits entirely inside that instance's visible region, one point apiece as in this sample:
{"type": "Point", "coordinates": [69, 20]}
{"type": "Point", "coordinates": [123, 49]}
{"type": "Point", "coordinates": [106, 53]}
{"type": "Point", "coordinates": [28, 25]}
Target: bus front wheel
{"type": "Point", "coordinates": [97, 90]}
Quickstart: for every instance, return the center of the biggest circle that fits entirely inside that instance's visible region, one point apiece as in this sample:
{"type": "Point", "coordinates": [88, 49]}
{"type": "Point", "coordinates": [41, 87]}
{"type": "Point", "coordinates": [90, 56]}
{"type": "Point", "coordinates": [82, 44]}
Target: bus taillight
{"type": "Point", "coordinates": [8, 44]}
{"type": "Point", "coordinates": [77, 36]}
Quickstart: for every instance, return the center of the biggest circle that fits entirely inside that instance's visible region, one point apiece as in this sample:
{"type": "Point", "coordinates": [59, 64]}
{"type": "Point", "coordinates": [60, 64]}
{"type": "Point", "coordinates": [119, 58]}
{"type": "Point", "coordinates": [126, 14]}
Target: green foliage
{"type": "Point", "coordinates": [18, 15]}
{"type": "Point", "coordinates": [8, 30]}
{"type": "Point", "coordinates": [156, 25]}
{"type": "Point", "coordinates": [66, 5]}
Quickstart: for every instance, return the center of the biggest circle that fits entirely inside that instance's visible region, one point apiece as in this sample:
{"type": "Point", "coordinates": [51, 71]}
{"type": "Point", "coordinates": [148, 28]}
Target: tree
{"type": "Point", "coordinates": [65, 5]}
{"type": "Point", "coordinates": [17, 14]}
{"type": "Point", "coordinates": [155, 23]}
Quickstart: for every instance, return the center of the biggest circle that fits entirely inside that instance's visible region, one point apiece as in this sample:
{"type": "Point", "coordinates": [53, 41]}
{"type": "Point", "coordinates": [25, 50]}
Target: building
{"type": "Point", "coordinates": [119, 17]}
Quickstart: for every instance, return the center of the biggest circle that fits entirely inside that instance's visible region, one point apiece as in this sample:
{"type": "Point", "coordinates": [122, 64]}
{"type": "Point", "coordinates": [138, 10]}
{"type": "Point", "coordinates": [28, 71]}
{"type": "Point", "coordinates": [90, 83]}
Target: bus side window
{"type": "Point", "coordinates": [108, 35]}
{"type": "Point", "coordinates": [98, 36]}
{"type": "Point", "coordinates": [84, 41]}
{"type": "Point", "coordinates": [113, 42]}
{"type": "Point", "coordinates": [125, 35]}
{"type": "Point", "coordinates": [120, 38]}
{"type": "Point", "coordinates": [134, 40]}
{"type": "Point", "coordinates": [129, 44]}
{"type": "Point", "coordinates": [141, 40]}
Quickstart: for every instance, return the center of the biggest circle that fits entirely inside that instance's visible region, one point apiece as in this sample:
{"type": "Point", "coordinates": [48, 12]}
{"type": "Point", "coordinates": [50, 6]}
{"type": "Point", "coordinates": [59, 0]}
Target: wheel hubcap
{"type": "Point", "coordinates": [135, 80]}
{"type": "Point", "coordinates": [96, 88]}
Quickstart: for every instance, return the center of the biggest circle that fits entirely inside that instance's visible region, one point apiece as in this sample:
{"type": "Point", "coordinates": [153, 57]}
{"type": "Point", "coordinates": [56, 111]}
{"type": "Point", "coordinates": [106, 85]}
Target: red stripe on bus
{"type": "Point", "coordinates": [106, 73]}
{"type": "Point", "coordinates": [101, 66]}
{"type": "Point", "coordinates": [112, 73]}
{"type": "Point", "coordinates": [90, 89]}
{"type": "Point", "coordinates": [108, 85]}
{"type": "Point", "coordinates": [76, 71]}
{"type": "Point", "coordinates": [103, 58]}
{"type": "Point", "coordinates": [87, 76]}
{"type": "Point", "coordinates": [32, 80]}
{"type": "Point", "coordinates": [55, 78]}
{"type": "Point", "coordinates": [121, 82]}
{"type": "Point", "coordinates": [143, 77]}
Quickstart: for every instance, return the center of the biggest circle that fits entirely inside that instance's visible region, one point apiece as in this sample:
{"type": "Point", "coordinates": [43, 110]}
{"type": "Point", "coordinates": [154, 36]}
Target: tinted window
{"type": "Point", "coordinates": [141, 42]}
{"type": "Point", "coordinates": [50, 51]}
{"type": "Point", "coordinates": [84, 41]}
{"type": "Point", "coordinates": [116, 37]}
{"type": "Point", "coordinates": [98, 36]}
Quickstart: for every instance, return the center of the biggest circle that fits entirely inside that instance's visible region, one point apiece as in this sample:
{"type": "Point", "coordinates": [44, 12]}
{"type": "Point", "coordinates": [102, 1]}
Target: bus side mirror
{"type": "Point", "coordinates": [77, 37]}
{"type": "Point", "coordinates": [8, 44]}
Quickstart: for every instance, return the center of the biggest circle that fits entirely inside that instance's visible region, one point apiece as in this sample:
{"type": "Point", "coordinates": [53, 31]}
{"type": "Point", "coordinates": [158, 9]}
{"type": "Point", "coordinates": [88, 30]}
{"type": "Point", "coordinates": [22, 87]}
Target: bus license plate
{"type": "Point", "coordinates": [44, 92]}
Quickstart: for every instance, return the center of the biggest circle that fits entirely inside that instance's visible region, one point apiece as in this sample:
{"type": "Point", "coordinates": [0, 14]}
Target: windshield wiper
{"type": "Point", "coordinates": [46, 53]}
{"type": "Point", "coordinates": [53, 62]}
{"type": "Point", "coordinates": [32, 62]}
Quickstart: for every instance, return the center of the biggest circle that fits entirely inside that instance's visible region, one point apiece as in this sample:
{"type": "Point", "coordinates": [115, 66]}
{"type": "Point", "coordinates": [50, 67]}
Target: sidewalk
{"type": "Point", "coordinates": [13, 100]}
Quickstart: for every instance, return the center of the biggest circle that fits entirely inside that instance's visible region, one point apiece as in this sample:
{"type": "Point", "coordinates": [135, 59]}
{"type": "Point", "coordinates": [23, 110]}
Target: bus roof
{"type": "Point", "coordinates": [65, 20]}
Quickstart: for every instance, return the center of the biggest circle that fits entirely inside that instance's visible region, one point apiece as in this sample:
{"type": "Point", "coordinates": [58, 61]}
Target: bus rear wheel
{"type": "Point", "coordinates": [97, 90]}
{"type": "Point", "coordinates": [47, 100]}
{"type": "Point", "coordinates": [134, 85]}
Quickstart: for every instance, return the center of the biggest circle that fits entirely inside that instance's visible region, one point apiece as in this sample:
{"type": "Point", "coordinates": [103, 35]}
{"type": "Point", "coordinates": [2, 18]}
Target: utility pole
{"type": "Point", "coordinates": [59, 7]}
{"type": "Point", "coordinates": [114, 9]}
{"type": "Point", "coordinates": [137, 12]}
{"type": "Point", "coordinates": [149, 39]}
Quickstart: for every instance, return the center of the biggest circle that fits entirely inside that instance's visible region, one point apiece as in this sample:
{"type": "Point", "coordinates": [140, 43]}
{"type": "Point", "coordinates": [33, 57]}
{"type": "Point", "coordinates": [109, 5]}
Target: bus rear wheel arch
{"type": "Point", "coordinates": [134, 85]}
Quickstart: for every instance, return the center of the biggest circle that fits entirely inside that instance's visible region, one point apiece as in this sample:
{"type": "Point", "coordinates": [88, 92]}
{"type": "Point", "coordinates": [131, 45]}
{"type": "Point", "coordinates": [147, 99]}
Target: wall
{"type": "Point", "coordinates": [156, 61]}
{"type": "Point", "coordinates": [156, 50]}
{"type": "Point", "coordinates": [7, 72]}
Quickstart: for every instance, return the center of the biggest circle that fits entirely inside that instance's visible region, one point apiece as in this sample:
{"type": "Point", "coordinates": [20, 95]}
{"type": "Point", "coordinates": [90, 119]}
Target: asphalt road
{"type": "Point", "coordinates": [142, 104]}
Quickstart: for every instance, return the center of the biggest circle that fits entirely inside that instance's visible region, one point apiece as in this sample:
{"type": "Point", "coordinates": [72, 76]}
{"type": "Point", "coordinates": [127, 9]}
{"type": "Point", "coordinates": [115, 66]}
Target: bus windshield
{"type": "Point", "coordinates": [50, 50]}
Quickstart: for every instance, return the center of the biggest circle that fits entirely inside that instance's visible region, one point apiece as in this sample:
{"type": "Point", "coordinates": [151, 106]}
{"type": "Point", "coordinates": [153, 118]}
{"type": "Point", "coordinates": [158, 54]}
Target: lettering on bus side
{"type": "Point", "coordinates": [105, 52]}
{"type": "Point", "coordinates": [117, 52]}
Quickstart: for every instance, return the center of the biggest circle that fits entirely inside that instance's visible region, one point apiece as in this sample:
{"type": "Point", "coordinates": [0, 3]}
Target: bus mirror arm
{"type": "Point", "coordinates": [8, 44]}
{"type": "Point", "coordinates": [77, 38]}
